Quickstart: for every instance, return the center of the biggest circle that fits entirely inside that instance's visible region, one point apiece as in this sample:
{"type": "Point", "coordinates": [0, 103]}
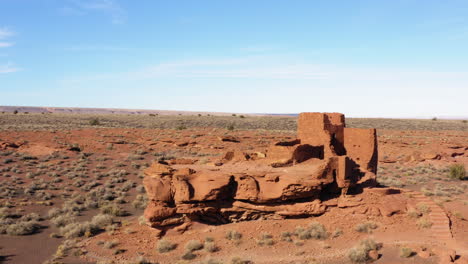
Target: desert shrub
{"type": "Point", "coordinates": [458, 215]}
{"type": "Point", "coordinates": [338, 232]}
{"type": "Point", "coordinates": [63, 220]}
{"type": "Point", "coordinates": [230, 127]}
{"type": "Point", "coordinates": [457, 172]}
{"type": "Point", "coordinates": [193, 245]}
{"type": "Point", "coordinates": [140, 201]}
{"type": "Point", "coordinates": [423, 208]}
{"type": "Point", "coordinates": [413, 213]}
{"type": "Point", "coordinates": [110, 244]}
{"type": "Point", "coordinates": [359, 253]}
{"type": "Point", "coordinates": [315, 230]}
{"type": "Point", "coordinates": [114, 210]}
{"type": "Point", "coordinates": [141, 189]}
{"type": "Point", "coordinates": [140, 260]}
{"type": "Point", "coordinates": [54, 212]}
{"type": "Point", "coordinates": [212, 261]}
{"type": "Point", "coordinates": [94, 122]}
{"type": "Point", "coordinates": [424, 223]}
{"type": "Point", "coordinates": [164, 246]}
{"type": "Point", "coordinates": [366, 227]}
{"type": "Point", "coordinates": [238, 260]}
{"type": "Point", "coordinates": [5, 213]}
{"type": "Point", "coordinates": [23, 228]}
{"type": "Point", "coordinates": [233, 235]}
{"type": "Point", "coordinates": [188, 255]}
{"type": "Point", "coordinates": [286, 236]}
{"type": "Point", "coordinates": [65, 248]}
{"type": "Point", "coordinates": [265, 239]}
{"type": "Point", "coordinates": [75, 230]}
{"type": "Point", "coordinates": [210, 246]}
{"type": "Point", "coordinates": [406, 252]}
{"type": "Point", "coordinates": [298, 243]}
{"type": "Point", "coordinates": [102, 220]}
{"type": "Point", "coordinates": [142, 220]}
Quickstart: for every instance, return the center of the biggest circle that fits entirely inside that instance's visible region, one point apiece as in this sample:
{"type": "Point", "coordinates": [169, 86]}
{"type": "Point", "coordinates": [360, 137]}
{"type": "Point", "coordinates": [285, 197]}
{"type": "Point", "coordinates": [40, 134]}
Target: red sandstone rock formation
{"type": "Point", "coordinates": [288, 180]}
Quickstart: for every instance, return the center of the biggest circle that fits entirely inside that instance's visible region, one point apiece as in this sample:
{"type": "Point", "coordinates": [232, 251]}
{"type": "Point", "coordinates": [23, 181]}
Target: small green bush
{"type": "Point", "coordinates": [94, 122]}
{"type": "Point", "coordinates": [457, 172]}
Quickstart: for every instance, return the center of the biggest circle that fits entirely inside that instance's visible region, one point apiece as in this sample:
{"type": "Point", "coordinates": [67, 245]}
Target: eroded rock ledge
{"type": "Point", "coordinates": [289, 179]}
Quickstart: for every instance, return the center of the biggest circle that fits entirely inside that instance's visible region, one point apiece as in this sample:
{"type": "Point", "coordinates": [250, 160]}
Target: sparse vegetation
{"type": "Point", "coordinates": [315, 230]}
{"type": "Point", "coordinates": [265, 239]}
{"type": "Point", "coordinates": [366, 227]}
{"type": "Point", "coordinates": [193, 245]}
{"type": "Point", "coordinates": [424, 223]}
{"type": "Point", "coordinates": [233, 235]}
{"type": "Point", "coordinates": [94, 122]}
{"type": "Point", "coordinates": [238, 260]}
{"type": "Point", "coordinates": [406, 252]}
{"type": "Point", "coordinates": [188, 255]}
{"type": "Point", "coordinates": [360, 253]}
{"type": "Point", "coordinates": [93, 180]}
{"type": "Point", "coordinates": [164, 246]}
{"type": "Point", "coordinates": [457, 172]}
{"type": "Point", "coordinates": [210, 246]}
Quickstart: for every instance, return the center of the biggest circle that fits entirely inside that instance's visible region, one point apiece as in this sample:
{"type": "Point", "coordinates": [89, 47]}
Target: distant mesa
{"type": "Point", "coordinates": [79, 110]}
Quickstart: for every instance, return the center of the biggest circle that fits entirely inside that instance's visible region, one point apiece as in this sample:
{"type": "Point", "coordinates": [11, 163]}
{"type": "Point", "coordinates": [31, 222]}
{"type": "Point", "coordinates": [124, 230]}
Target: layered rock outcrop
{"type": "Point", "coordinates": [289, 179]}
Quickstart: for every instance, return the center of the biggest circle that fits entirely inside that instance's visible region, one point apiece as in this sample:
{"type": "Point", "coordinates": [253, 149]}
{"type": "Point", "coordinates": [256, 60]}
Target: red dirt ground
{"type": "Point", "coordinates": [410, 160]}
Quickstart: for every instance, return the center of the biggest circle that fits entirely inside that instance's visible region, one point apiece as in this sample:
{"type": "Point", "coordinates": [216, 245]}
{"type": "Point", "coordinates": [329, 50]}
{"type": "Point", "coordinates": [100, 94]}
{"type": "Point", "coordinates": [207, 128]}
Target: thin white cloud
{"type": "Point", "coordinates": [6, 44]}
{"type": "Point", "coordinates": [8, 68]}
{"type": "Point", "coordinates": [271, 68]}
{"type": "Point", "coordinates": [109, 7]}
{"type": "Point", "coordinates": [5, 33]}
{"type": "Point", "coordinates": [94, 47]}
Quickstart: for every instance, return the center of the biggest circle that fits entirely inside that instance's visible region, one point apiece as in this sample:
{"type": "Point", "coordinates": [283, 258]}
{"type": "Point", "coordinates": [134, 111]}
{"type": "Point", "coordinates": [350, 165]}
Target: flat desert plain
{"type": "Point", "coordinates": [72, 192]}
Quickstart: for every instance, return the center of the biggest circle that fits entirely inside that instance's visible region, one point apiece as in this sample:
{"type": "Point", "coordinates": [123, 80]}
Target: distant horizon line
{"type": "Point", "coordinates": [109, 110]}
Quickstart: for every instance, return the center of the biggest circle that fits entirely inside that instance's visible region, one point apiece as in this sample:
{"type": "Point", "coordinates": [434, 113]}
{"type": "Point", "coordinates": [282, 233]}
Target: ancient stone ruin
{"type": "Point", "coordinates": [289, 179]}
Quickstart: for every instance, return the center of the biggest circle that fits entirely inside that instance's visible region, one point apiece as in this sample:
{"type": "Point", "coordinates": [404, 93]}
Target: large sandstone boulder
{"type": "Point", "coordinates": [287, 180]}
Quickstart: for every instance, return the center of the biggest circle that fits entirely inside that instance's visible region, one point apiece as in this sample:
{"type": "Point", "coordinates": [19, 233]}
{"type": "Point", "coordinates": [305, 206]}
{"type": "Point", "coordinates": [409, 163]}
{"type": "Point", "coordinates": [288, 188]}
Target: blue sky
{"type": "Point", "coordinates": [363, 58]}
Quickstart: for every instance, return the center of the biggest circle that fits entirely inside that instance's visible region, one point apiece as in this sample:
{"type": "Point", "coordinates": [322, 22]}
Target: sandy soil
{"type": "Point", "coordinates": [408, 160]}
